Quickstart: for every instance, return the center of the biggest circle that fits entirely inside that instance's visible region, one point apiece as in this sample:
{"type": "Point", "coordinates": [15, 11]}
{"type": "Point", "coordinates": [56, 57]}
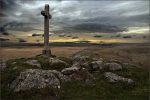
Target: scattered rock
{"type": "Point", "coordinates": [115, 61]}
{"type": "Point", "coordinates": [2, 65]}
{"type": "Point", "coordinates": [97, 65]}
{"type": "Point", "coordinates": [14, 68]}
{"type": "Point", "coordinates": [97, 59]}
{"type": "Point", "coordinates": [70, 70]}
{"type": "Point", "coordinates": [33, 63]}
{"type": "Point", "coordinates": [80, 59]}
{"type": "Point", "coordinates": [35, 78]}
{"type": "Point", "coordinates": [85, 65]}
{"type": "Point", "coordinates": [14, 63]}
{"type": "Point", "coordinates": [116, 78]}
{"type": "Point", "coordinates": [82, 75]}
{"type": "Point", "coordinates": [60, 76]}
{"type": "Point", "coordinates": [112, 66]}
{"type": "Point", "coordinates": [38, 78]}
{"type": "Point", "coordinates": [56, 61]}
{"type": "Point", "coordinates": [76, 64]}
{"type": "Point", "coordinates": [77, 73]}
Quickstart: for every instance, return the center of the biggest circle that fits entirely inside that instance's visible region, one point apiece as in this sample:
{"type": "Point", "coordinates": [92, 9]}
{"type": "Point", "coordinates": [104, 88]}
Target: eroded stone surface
{"type": "Point", "coordinates": [112, 66]}
{"type": "Point", "coordinates": [80, 59]}
{"type": "Point", "coordinates": [60, 76]}
{"type": "Point", "coordinates": [70, 70]}
{"type": "Point", "coordinates": [97, 65]}
{"type": "Point", "coordinates": [116, 78]}
{"type": "Point", "coordinates": [37, 78]}
{"type": "Point", "coordinates": [82, 75]}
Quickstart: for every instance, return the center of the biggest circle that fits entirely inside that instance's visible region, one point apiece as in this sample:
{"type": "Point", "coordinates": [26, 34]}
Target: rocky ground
{"type": "Point", "coordinates": [78, 77]}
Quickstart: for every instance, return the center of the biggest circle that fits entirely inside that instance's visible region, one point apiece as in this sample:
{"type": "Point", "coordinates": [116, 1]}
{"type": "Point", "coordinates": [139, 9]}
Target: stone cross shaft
{"type": "Point", "coordinates": [47, 16]}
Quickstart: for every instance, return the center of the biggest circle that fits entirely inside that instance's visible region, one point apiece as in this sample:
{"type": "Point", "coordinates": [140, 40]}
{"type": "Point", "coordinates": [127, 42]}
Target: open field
{"type": "Point", "coordinates": [26, 52]}
{"type": "Point", "coordinates": [137, 54]}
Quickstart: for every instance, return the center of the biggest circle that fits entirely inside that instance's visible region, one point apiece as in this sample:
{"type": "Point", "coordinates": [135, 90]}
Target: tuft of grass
{"type": "Point", "coordinates": [68, 60]}
{"type": "Point", "coordinates": [44, 61]}
{"type": "Point", "coordinates": [32, 94]}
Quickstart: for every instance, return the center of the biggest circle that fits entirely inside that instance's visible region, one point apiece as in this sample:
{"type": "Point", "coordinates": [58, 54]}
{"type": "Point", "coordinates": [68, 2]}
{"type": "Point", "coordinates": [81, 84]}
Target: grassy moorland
{"type": "Point", "coordinates": [77, 90]}
{"type": "Point", "coordinates": [28, 51]}
{"type": "Point", "coordinates": [137, 55]}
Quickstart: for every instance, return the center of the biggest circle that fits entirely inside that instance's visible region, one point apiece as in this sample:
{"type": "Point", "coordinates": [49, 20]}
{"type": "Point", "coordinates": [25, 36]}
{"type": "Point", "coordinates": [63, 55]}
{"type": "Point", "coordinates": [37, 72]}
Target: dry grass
{"type": "Point", "coordinates": [27, 52]}
{"type": "Point", "coordinates": [135, 54]}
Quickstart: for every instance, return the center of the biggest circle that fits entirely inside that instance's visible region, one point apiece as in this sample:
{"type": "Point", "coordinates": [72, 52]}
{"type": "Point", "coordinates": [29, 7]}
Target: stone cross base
{"type": "Point", "coordinates": [47, 53]}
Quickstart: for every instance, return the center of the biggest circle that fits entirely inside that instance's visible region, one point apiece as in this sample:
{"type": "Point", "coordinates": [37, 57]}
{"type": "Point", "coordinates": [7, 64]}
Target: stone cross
{"type": "Point", "coordinates": [47, 16]}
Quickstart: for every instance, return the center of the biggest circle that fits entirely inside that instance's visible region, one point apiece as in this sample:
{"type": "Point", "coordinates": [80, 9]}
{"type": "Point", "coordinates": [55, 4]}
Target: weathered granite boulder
{"type": "Point", "coordinates": [111, 77]}
{"type": "Point", "coordinates": [97, 65]}
{"type": "Point", "coordinates": [85, 65]}
{"type": "Point", "coordinates": [37, 78]}
{"type": "Point", "coordinates": [115, 61]}
{"type": "Point", "coordinates": [70, 70]}
{"type": "Point", "coordinates": [76, 64]}
{"type": "Point", "coordinates": [80, 59]}
{"type": "Point", "coordinates": [112, 66]}
{"type": "Point", "coordinates": [33, 63]}
{"type": "Point", "coordinates": [2, 65]}
{"type": "Point", "coordinates": [62, 78]}
{"type": "Point", "coordinates": [82, 75]}
{"type": "Point", "coordinates": [56, 61]}
{"type": "Point", "coordinates": [97, 59]}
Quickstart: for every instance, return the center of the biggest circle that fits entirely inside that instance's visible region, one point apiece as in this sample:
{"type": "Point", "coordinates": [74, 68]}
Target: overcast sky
{"type": "Point", "coordinates": [111, 16]}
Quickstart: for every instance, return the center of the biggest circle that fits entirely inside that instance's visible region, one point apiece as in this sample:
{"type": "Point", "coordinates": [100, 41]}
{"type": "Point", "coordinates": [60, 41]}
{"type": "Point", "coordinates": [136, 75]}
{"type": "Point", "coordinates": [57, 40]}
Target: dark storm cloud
{"type": "Point", "coordinates": [77, 16]}
{"type": "Point", "coordinates": [94, 27]}
{"type": "Point", "coordinates": [17, 26]}
{"type": "Point", "coordinates": [90, 28]}
{"type": "Point", "coordinates": [2, 14]}
{"type": "Point", "coordinates": [8, 4]}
